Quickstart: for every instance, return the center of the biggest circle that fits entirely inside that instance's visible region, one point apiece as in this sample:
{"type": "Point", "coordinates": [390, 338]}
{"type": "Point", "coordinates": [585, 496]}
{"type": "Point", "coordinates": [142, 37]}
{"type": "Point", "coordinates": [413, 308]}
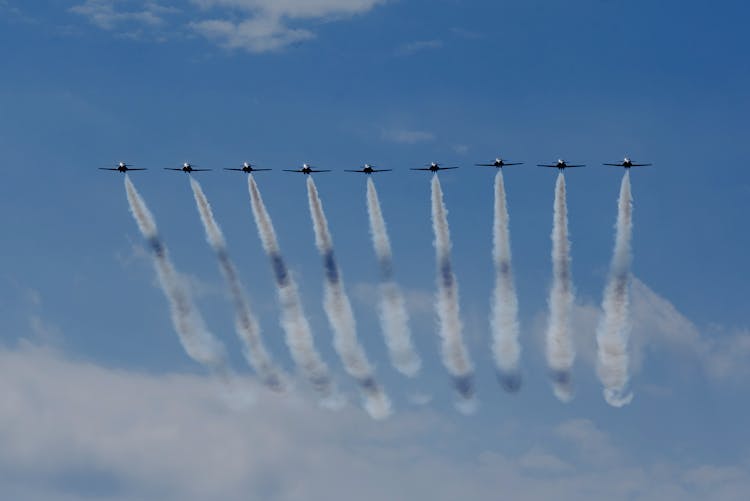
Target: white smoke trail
{"type": "Point", "coordinates": [394, 319]}
{"type": "Point", "coordinates": [248, 329]}
{"type": "Point", "coordinates": [296, 327]}
{"type": "Point", "coordinates": [504, 317]}
{"type": "Point", "coordinates": [195, 338]}
{"type": "Point", "coordinates": [560, 351]}
{"type": "Point", "coordinates": [340, 315]}
{"type": "Point", "coordinates": [454, 353]}
{"type": "Point", "coordinates": [614, 329]}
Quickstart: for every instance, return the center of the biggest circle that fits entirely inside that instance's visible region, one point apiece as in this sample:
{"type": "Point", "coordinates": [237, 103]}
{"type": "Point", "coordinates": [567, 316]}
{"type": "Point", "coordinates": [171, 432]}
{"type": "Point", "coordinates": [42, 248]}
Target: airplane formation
{"type": "Point", "coordinates": [368, 169]}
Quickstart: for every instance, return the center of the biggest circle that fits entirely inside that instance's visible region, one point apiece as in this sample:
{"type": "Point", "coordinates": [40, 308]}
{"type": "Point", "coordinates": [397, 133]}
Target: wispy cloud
{"type": "Point", "coordinates": [406, 136]}
{"type": "Point", "coordinates": [720, 352]}
{"type": "Point", "coordinates": [110, 14]}
{"type": "Point", "coordinates": [251, 25]}
{"type": "Point", "coordinates": [418, 46]}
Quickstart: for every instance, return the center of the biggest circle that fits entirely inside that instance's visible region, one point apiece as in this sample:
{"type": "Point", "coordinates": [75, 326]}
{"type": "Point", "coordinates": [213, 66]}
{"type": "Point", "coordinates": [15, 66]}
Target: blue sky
{"type": "Point", "coordinates": [397, 83]}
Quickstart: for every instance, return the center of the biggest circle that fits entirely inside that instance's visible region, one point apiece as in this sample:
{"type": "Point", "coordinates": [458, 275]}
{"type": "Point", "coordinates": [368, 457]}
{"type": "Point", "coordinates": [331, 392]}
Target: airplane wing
{"type": "Point", "coordinates": [199, 170]}
{"type": "Point", "coordinates": [171, 168]}
{"type": "Point", "coordinates": [548, 165]}
{"type": "Point", "coordinates": [579, 165]}
{"type": "Point", "coordinates": [615, 165]}
{"type": "Point", "coordinates": [515, 163]}
{"type": "Point", "coordinates": [382, 170]}
{"type": "Point", "coordinates": [447, 168]}
{"type": "Point", "coordinates": [487, 165]}
{"type": "Point", "coordinates": [110, 168]}
{"type": "Point", "coordinates": [640, 165]}
{"type": "Point", "coordinates": [134, 169]}
{"type": "Point", "coordinates": [225, 168]}
{"type": "Point", "coordinates": [256, 170]}
{"type": "Point", "coordinates": [319, 170]}
{"type": "Point", "coordinates": [360, 171]}
{"type": "Point", "coordinates": [421, 168]}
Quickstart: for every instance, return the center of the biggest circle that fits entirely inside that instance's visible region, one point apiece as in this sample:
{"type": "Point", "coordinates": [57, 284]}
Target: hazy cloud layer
{"type": "Point", "coordinates": [76, 430]}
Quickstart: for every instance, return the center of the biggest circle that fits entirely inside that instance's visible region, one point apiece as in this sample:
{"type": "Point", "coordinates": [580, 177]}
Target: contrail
{"type": "Point", "coordinates": [248, 329]}
{"type": "Point", "coordinates": [394, 319]}
{"type": "Point", "coordinates": [455, 356]}
{"type": "Point", "coordinates": [614, 329]}
{"type": "Point", "coordinates": [296, 327]}
{"type": "Point", "coordinates": [340, 315]}
{"type": "Point", "coordinates": [195, 338]}
{"type": "Point", "coordinates": [560, 352]}
{"type": "Point", "coordinates": [504, 317]}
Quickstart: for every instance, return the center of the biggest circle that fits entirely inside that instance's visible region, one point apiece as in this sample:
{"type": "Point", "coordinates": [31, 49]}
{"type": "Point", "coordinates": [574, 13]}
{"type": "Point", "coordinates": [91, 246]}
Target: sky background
{"type": "Point", "coordinates": [97, 397]}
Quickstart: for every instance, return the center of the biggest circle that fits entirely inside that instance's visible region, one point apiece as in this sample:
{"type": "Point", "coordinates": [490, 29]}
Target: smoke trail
{"type": "Point", "coordinates": [248, 329]}
{"type": "Point", "coordinates": [504, 317]}
{"type": "Point", "coordinates": [613, 331]}
{"type": "Point", "coordinates": [297, 330]}
{"type": "Point", "coordinates": [560, 352]}
{"type": "Point", "coordinates": [195, 338]}
{"type": "Point", "coordinates": [340, 315]}
{"type": "Point", "coordinates": [455, 356]}
{"type": "Point", "coordinates": [394, 319]}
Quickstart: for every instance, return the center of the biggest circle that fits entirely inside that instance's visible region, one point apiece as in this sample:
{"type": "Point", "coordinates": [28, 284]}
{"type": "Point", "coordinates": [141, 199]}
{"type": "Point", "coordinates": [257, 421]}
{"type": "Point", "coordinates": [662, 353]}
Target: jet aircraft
{"type": "Point", "coordinates": [627, 163]}
{"type": "Point", "coordinates": [186, 167]}
{"type": "Point", "coordinates": [500, 163]}
{"type": "Point", "coordinates": [433, 167]}
{"type": "Point", "coordinates": [368, 169]}
{"type": "Point", "coordinates": [306, 169]}
{"type": "Point", "coordinates": [246, 167]}
{"type": "Point", "coordinates": [121, 167]}
{"type": "Point", "coordinates": [561, 165]}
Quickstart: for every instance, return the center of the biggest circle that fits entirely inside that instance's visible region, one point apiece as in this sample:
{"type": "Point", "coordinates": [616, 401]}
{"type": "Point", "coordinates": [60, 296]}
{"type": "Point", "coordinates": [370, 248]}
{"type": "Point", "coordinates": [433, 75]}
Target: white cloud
{"type": "Point", "coordinates": [263, 23]}
{"type": "Point", "coordinates": [252, 25]}
{"type": "Point", "coordinates": [657, 325]}
{"type": "Point", "coordinates": [723, 354]}
{"type": "Point", "coordinates": [294, 9]}
{"type": "Point", "coordinates": [594, 445]}
{"type": "Point", "coordinates": [257, 34]}
{"type": "Point", "coordinates": [75, 430]}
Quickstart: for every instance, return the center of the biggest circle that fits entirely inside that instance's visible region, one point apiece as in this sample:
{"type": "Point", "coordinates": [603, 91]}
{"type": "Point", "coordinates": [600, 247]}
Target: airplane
{"type": "Point", "coordinates": [627, 163]}
{"type": "Point", "coordinates": [500, 163]}
{"type": "Point", "coordinates": [306, 169]}
{"type": "Point", "coordinates": [368, 169]}
{"type": "Point", "coordinates": [561, 165]}
{"type": "Point", "coordinates": [433, 167]}
{"type": "Point", "coordinates": [186, 167]}
{"type": "Point", "coordinates": [247, 167]}
{"type": "Point", "coordinates": [121, 167]}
